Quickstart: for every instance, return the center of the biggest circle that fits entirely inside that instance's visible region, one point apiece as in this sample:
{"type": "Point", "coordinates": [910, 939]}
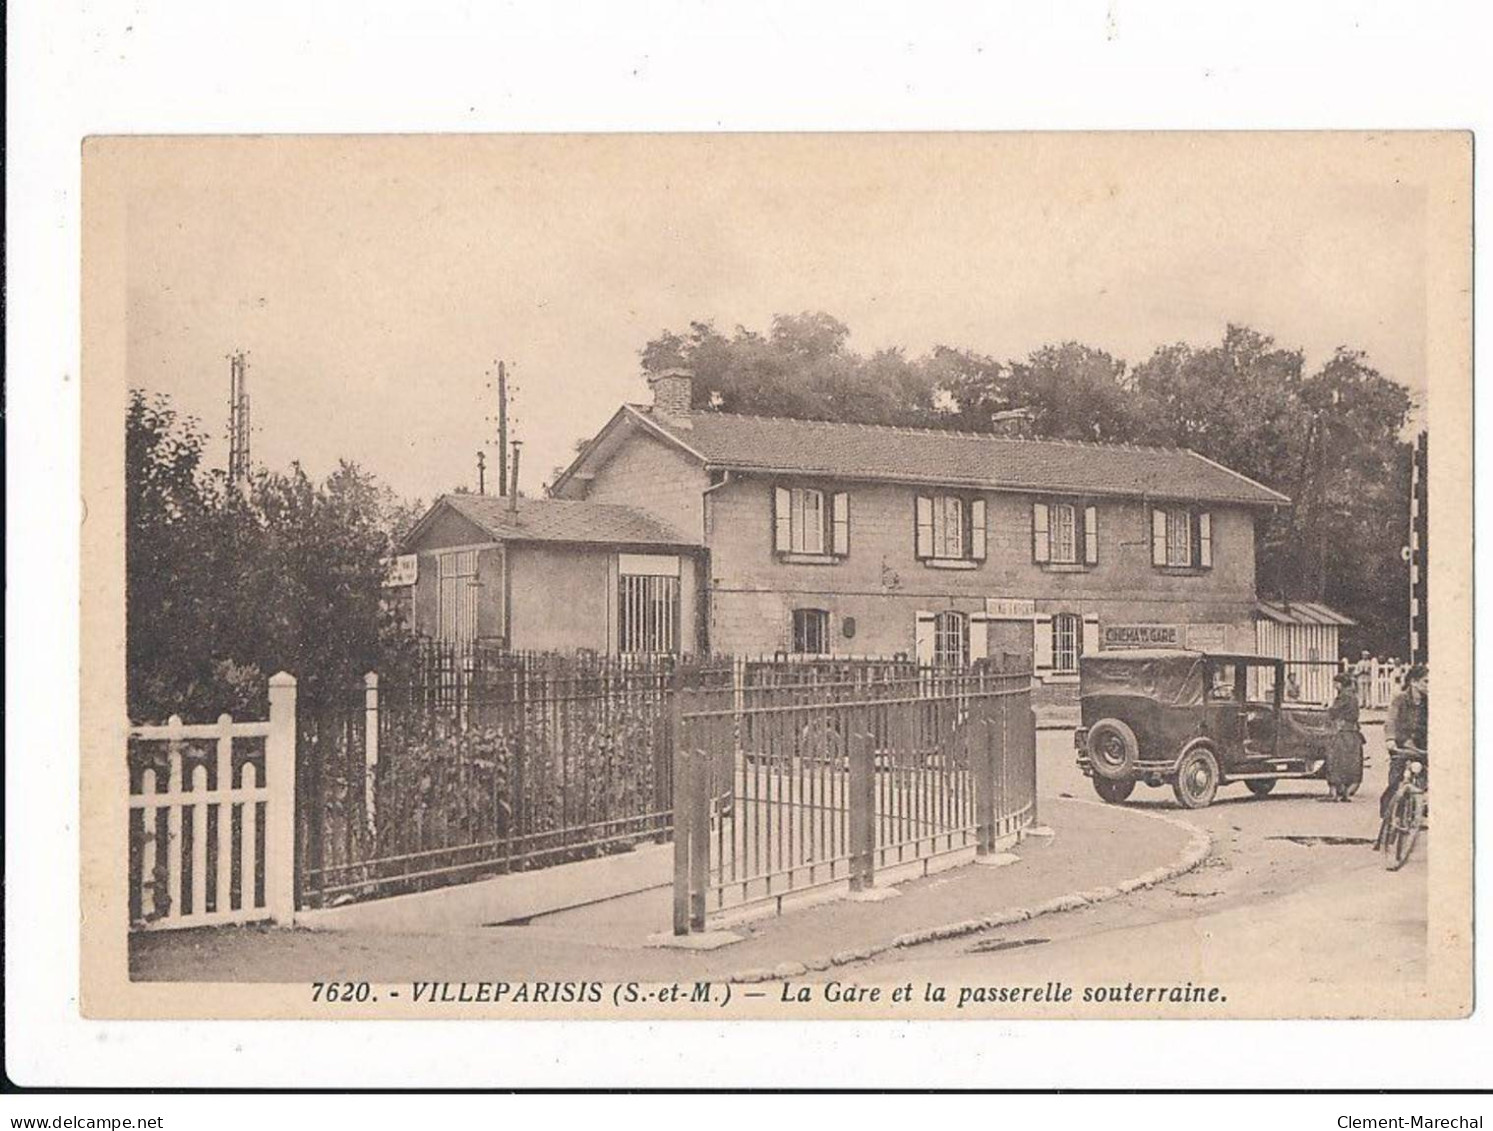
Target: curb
{"type": "Point", "coordinates": [1198, 847]}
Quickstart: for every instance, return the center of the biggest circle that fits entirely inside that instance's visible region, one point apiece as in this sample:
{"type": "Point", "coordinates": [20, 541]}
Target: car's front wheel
{"type": "Point", "coordinates": [1197, 778]}
{"type": "Point", "coordinates": [1114, 791]}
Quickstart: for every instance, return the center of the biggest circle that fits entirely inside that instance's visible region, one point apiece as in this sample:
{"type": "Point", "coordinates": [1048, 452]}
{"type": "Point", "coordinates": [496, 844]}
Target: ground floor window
{"type": "Point", "coordinates": [1067, 642]}
{"type": "Point", "coordinates": [951, 640]}
{"type": "Point", "coordinates": [648, 614]}
{"type": "Point", "coordinates": [811, 632]}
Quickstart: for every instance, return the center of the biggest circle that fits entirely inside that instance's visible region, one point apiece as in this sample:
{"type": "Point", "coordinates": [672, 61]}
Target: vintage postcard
{"type": "Point", "coordinates": [949, 576]}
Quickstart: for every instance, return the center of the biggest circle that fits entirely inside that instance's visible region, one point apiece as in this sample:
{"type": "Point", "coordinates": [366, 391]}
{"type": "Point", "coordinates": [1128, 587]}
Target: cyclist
{"type": "Point", "coordinates": [1405, 729]}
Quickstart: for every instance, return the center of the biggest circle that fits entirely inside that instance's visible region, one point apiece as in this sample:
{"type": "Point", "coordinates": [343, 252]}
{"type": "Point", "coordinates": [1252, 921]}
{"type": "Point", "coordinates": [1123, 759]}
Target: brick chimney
{"type": "Point", "coordinates": [672, 392]}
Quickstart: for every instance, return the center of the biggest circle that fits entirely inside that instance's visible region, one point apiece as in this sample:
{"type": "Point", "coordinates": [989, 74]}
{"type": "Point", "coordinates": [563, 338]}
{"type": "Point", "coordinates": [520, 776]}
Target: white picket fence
{"type": "Point", "coordinates": [205, 848]}
{"type": "Point", "coordinates": [1378, 685]}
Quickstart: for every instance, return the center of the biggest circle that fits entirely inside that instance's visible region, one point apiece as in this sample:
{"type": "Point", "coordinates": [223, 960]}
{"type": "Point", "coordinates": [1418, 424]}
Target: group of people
{"type": "Point", "coordinates": [1404, 732]}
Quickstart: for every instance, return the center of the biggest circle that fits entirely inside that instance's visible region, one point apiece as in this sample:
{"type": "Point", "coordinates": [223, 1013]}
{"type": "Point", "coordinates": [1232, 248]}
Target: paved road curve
{"type": "Point", "coordinates": [1292, 892]}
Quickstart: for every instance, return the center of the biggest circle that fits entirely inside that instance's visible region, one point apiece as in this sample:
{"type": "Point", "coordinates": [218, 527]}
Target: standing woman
{"type": "Point", "coordinates": [1345, 758]}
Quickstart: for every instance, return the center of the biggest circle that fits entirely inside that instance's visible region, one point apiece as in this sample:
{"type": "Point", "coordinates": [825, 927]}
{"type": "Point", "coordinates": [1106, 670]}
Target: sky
{"type": "Point", "coordinates": [375, 282]}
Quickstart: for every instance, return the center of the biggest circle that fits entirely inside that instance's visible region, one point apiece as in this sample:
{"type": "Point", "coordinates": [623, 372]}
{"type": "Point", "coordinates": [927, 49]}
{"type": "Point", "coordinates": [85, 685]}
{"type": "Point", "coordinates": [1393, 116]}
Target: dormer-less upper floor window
{"type": "Point", "coordinates": [950, 529]}
{"type": "Point", "coordinates": [811, 522]}
{"type": "Point", "coordinates": [1181, 538]}
{"type": "Point", "coordinates": [1065, 533]}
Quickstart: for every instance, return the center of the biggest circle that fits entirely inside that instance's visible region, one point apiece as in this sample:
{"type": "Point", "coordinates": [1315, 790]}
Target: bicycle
{"type": "Point", "coordinates": [1404, 816]}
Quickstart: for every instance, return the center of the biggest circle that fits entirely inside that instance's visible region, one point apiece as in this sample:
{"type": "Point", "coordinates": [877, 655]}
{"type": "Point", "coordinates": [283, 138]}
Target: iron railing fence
{"type": "Point", "coordinates": [481, 764]}
{"type": "Point", "coordinates": [474, 761]}
{"type": "Point", "coordinates": [793, 780]}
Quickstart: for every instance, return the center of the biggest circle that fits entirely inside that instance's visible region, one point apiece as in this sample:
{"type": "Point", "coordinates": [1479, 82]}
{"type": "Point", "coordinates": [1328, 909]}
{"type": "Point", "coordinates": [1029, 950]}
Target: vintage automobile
{"type": "Point", "coordinates": [1196, 721]}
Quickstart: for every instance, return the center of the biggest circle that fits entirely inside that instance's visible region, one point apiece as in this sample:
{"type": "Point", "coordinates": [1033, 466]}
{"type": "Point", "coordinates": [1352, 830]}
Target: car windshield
{"type": "Point", "coordinates": [1173, 680]}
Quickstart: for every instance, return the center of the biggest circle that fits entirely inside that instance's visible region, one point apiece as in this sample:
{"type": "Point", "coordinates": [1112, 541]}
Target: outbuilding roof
{"type": "Point", "coordinates": [1302, 612]}
{"type": "Point", "coordinates": [557, 520]}
{"type": "Point", "coordinates": [919, 455]}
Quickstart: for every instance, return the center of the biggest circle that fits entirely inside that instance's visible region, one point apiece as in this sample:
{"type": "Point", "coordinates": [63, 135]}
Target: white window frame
{"type": "Point", "coordinates": [811, 522]}
{"type": "Point", "coordinates": [950, 530]}
{"type": "Point", "coordinates": [1063, 532]}
{"type": "Point", "coordinates": [951, 626]}
{"type": "Point", "coordinates": [1178, 537]}
{"type": "Point", "coordinates": [948, 527]}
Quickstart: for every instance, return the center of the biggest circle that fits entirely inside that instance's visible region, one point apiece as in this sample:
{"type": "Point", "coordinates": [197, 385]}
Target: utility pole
{"type": "Point", "coordinates": [503, 429]}
{"type": "Point", "coordinates": [481, 473]}
{"type": "Point", "coordinates": [513, 487]}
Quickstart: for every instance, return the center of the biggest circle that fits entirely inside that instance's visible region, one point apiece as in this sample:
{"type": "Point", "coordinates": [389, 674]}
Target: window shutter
{"type": "Point", "coordinates": [1091, 535]}
{"type": "Point", "coordinates": [1195, 537]}
{"type": "Point", "coordinates": [979, 637]}
{"type": "Point", "coordinates": [1041, 545]}
{"type": "Point", "coordinates": [977, 530]}
{"type": "Point", "coordinates": [782, 512]}
{"type": "Point", "coordinates": [1205, 540]}
{"type": "Point", "coordinates": [1090, 634]}
{"type": "Point", "coordinates": [1158, 536]}
{"type": "Point", "coordinates": [841, 512]}
{"type": "Point", "coordinates": [1042, 643]}
{"type": "Point", "coordinates": [925, 527]}
{"type": "Point", "coordinates": [923, 638]}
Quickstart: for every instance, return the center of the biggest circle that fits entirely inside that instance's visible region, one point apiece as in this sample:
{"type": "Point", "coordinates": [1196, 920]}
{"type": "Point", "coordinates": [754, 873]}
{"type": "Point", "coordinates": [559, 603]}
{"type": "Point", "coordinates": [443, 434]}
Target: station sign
{"type": "Point", "coordinates": [1010, 608]}
{"type": "Point", "coordinates": [401, 571]}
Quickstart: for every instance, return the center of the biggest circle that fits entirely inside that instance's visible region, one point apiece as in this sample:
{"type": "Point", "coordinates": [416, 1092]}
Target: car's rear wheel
{"type": "Point", "coordinates": [1113, 749]}
{"type": "Point", "coordinates": [1197, 778]}
{"type": "Point", "coordinates": [1114, 791]}
{"type": "Point", "coordinates": [1260, 787]}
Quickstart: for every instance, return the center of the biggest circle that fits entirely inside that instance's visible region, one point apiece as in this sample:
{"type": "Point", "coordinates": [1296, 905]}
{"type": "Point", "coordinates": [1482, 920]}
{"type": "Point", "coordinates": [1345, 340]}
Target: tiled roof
{"type": "Point", "coordinates": [864, 451]}
{"type": "Point", "coordinates": [1301, 612]}
{"type": "Point", "coordinates": [564, 520]}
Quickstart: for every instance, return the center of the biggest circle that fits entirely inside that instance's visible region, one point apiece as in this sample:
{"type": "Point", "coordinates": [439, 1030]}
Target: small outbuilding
{"type": "Point", "coordinates": [551, 575]}
{"type": "Point", "coordinates": [1305, 635]}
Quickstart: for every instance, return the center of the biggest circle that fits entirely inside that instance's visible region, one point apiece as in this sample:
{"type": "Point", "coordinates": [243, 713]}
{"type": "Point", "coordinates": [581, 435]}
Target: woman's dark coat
{"type": "Point", "coordinates": [1345, 755]}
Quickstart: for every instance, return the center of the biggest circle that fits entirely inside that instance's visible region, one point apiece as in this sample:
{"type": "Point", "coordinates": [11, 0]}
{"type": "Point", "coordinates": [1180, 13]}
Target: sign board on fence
{"type": "Point", "coordinates": [402, 570]}
{"type": "Point", "coordinates": [1118, 636]}
{"type": "Point", "coordinates": [1010, 608]}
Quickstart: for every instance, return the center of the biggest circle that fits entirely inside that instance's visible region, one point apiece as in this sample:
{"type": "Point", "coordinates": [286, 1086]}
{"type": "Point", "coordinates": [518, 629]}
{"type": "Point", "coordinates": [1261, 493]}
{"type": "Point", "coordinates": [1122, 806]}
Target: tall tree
{"type": "Point", "coordinates": [226, 586]}
{"type": "Point", "coordinates": [803, 367]}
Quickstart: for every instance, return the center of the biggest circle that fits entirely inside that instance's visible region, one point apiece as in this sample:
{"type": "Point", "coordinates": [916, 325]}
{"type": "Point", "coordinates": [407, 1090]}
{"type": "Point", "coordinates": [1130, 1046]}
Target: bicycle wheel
{"type": "Point", "coordinates": [1388, 837]}
{"type": "Point", "coordinates": [1407, 822]}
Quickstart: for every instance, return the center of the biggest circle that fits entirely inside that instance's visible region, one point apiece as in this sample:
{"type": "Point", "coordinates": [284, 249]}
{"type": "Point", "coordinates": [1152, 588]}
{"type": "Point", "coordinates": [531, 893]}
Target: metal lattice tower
{"type": "Point", "coordinates": [238, 418]}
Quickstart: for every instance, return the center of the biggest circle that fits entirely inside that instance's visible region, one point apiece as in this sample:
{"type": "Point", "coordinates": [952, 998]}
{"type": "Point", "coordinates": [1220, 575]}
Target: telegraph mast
{"type": "Point", "coordinates": [502, 429]}
{"type": "Point", "coordinates": [238, 419]}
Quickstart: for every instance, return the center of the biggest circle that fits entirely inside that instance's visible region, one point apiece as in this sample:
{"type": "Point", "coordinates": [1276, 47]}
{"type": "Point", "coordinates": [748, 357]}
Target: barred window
{"type": "Point", "coordinates": [1067, 642]}
{"type": "Point", "coordinates": [951, 640]}
{"type": "Point", "coordinates": [648, 614]}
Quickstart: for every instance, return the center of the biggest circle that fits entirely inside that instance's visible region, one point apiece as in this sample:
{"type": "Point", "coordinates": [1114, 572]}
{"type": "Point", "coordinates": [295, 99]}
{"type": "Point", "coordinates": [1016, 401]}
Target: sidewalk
{"type": "Point", "coordinates": [1099, 850]}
